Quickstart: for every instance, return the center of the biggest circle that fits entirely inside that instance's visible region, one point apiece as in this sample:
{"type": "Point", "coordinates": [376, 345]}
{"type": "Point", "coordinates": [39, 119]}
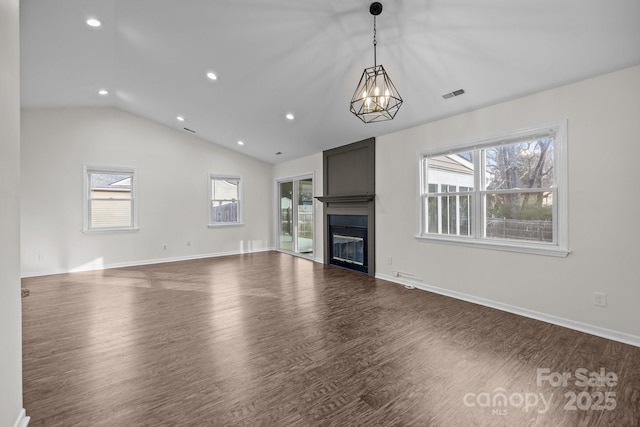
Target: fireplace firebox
{"type": "Point", "coordinates": [348, 241]}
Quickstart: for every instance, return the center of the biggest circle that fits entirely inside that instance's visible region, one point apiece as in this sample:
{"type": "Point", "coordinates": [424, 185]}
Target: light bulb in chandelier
{"type": "Point", "coordinates": [377, 102]}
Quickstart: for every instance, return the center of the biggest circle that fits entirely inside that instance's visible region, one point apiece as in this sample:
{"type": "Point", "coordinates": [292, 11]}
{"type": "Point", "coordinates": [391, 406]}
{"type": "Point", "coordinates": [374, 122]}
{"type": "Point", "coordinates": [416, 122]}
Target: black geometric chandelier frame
{"type": "Point", "coordinates": [376, 98]}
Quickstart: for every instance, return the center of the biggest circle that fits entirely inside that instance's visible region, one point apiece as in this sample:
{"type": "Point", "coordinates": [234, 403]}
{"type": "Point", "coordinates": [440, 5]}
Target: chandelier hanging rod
{"type": "Point", "coordinates": [375, 9]}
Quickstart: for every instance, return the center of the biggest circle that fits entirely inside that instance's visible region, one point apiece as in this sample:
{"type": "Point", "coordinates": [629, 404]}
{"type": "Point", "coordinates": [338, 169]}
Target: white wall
{"type": "Point", "coordinates": [310, 164]}
{"type": "Point", "coordinates": [604, 208]}
{"type": "Point", "coordinates": [172, 170]}
{"type": "Point", "coordinates": [10, 303]}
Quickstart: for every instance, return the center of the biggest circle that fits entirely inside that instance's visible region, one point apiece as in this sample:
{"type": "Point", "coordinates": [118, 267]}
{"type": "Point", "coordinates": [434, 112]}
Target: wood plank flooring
{"type": "Point", "coordinates": [269, 339]}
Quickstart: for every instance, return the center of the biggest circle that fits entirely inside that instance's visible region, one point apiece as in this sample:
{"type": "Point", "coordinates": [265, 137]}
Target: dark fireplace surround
{"type": "Point", "coordinates": [349, 206]}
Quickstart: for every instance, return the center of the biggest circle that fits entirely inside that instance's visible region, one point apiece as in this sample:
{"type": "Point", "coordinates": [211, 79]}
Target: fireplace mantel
{"type": "Point", "coordinates": [356, 198]}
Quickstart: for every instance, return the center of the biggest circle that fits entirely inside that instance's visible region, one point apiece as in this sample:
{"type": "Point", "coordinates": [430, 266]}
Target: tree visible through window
{"type": "Point", "coordinates": [503, 189]}
{"type": "Point", "coordinates": [520, 190]}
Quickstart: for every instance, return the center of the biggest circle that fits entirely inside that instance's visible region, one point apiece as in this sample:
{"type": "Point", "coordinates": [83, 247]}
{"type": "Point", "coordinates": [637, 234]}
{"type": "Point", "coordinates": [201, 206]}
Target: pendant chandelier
{"type": "Point", "coordinates": [376, 98]}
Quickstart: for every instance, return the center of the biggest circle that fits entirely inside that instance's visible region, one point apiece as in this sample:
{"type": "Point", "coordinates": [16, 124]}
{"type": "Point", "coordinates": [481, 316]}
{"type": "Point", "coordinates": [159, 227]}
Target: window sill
{"type": "Point", "coordinates": [226, 224]}
{"type": "Point", "coordinates": [111, 230]}
{"type": "Point", "coordinates": [499, 245]}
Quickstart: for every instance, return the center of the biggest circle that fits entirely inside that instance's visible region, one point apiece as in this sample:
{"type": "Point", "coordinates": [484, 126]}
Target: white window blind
{"type": "Point", "coordinates": [109, 199]}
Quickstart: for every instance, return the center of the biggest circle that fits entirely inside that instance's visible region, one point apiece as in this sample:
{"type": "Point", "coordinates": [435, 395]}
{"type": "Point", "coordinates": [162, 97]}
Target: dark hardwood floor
{"type": "Point", "coordinates": [275, 340]}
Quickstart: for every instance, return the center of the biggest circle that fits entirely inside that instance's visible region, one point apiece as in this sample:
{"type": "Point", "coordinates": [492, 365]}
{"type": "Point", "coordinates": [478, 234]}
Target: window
{"type": "Point", "coordinates": [109, 199]}
{"type": "Point", "coordinates": [225, 194]}
{"type": "Point", "coordinates": [507, 192]}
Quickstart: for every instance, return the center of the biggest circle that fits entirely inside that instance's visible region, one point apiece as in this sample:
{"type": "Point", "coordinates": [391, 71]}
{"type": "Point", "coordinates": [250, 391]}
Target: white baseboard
{"type": "Point", "coordinates": [22, 420]}
{"type": "Point", "coordinates": [141, 262]}
{"type": "Point", "coordinates": [567, 323]}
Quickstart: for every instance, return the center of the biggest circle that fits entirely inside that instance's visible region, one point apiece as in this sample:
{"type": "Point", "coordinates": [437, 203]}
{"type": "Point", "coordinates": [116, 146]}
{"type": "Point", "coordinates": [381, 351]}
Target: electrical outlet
{"type": "Point", "coordinates": [188, 242]}
{"type": "Point", "coordinates": [164, 247]}
{"type": "Point", "coordinates": [389, 261]}
{"type": "Point", "coordinates": [600, 299]}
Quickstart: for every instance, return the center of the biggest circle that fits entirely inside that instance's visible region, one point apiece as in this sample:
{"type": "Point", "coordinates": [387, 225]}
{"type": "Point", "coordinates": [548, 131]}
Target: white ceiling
{"type": "Point", "coordinates": [306, 57]}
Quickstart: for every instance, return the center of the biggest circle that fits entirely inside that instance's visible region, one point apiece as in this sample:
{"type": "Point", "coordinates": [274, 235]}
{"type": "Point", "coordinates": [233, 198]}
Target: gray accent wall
{"type": "Point", "coordinates": [350, 188]}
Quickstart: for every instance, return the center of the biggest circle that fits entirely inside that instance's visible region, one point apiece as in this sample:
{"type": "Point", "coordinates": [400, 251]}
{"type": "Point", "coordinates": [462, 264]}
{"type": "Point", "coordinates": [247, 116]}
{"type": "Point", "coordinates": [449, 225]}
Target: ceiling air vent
{"type": "Point", "coordinates": [452, 94]}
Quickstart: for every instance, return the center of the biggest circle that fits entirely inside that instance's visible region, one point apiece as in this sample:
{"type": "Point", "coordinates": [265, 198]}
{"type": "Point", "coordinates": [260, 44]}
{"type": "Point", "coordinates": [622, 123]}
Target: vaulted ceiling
{"type": "Point", "coordinates": [274, 57]}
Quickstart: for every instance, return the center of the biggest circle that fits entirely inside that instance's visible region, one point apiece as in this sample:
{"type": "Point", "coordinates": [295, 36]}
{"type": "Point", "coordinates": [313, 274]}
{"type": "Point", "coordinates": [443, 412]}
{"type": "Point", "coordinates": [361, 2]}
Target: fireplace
{"type": "Point", "coordinates": [348, 241]}
{"type": "Point", "coordinates": [349, 206]}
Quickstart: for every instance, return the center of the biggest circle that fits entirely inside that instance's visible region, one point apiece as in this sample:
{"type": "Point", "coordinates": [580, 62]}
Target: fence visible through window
{"type": "Point", "coordinates": [503, 228]}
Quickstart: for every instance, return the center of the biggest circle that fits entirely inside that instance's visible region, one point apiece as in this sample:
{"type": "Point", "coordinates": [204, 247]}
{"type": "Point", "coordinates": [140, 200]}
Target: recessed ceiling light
{"type": "Point", "coordinates": [93, 22]}
{"type": "Point", "coordinates": [211, 75]}
{"type": "Point", "coordinates": [103, 92]}
{"type": "Point", "coordinates": [240, 143]}
{"type": "Point", "coordinates": [180, 118]}
{"type": "Point", "coordinates": [290, 116]}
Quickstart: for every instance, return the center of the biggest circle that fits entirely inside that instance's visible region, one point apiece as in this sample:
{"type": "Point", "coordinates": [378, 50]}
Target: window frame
{"type": "Point", "coordinates": [217, 176]}
{"type": "Point", "coordinates": [559, 247]}
{"type": "Point", "coordinates": [88, 170]}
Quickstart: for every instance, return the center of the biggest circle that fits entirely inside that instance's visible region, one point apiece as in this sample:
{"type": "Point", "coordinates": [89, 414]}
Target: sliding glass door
{"type": "Point", "coordinates": [295, 215]}
{"type": "Point", "coordinates": [286, 216]}
{"type": "Point", "coordinates": [304, 218]}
